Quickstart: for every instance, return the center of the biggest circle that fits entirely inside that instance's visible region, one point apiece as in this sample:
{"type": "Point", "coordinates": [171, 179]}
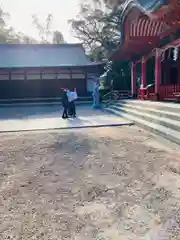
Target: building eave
{"type": "Point", "coordinates": [127, 8]}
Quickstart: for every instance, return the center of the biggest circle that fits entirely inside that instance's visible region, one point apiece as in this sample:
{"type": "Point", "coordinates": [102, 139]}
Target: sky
{"type": "Point", "coordinates": [21, 12]}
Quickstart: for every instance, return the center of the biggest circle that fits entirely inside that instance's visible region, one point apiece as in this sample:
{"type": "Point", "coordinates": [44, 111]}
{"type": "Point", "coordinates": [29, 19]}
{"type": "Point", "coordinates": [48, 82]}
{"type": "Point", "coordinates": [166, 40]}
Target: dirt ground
{"type": "Point", "coordinates": [115, 183]}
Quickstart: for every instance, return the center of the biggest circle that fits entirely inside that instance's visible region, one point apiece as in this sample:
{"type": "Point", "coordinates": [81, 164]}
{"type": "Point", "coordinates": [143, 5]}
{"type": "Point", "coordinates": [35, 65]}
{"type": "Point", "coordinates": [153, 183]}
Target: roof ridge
{"type": "Point", "coordinates": [40, 45]}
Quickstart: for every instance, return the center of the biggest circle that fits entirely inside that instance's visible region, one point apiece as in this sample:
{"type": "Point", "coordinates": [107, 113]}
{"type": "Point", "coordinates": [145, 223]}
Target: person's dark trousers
{"type": "Point", "coordinates": [70, 113]}
{"type": "Point", "coordinates": [65, 112]}
{"type": "Point", "coordinates": [73, 109]}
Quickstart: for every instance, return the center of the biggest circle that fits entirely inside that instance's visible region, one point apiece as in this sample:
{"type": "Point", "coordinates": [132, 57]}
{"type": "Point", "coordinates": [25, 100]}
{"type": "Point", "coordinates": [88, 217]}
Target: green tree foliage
{"type": "Point", "coordinates": [26, 39]}
{"type": "Point", "coordinates": [58, 37]}
{"type": "Point", "coordinates": [98, 27]}
{"type": "Point", "coordinates": [119, 74]}
{"type": "Point", "coordinates": [46, 34]}
{"type": "Point", "coordinates": [8, 34]}
{"type": "Point", "coordinates": [44, 29]}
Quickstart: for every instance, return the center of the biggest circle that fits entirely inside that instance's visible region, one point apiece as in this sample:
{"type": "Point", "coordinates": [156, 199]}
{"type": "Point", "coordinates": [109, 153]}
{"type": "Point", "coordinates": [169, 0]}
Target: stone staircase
{"type": "Point", "coordinates": [158, 117]}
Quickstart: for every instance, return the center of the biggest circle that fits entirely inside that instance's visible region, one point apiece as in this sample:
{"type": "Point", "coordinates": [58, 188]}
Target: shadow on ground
{"type": "Point", "coordinates": [30, 112]}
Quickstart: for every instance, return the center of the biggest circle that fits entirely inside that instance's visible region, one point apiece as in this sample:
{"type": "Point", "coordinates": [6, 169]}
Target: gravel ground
{"type": "Point", "coordinates": [105, 183]}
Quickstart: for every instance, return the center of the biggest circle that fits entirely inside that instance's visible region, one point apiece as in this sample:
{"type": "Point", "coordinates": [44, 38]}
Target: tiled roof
{"type": "Point", "coordinates": [43, 55]}
{"type": "Point", "coordinates": [146, 6]}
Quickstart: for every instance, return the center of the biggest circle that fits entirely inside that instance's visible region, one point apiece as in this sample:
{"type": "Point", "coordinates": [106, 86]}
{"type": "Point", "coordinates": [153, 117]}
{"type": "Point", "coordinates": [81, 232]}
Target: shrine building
{"type": "Point", "coordinates": [150, 41]}
{"type": "Point", "coordinates": [41, 70]}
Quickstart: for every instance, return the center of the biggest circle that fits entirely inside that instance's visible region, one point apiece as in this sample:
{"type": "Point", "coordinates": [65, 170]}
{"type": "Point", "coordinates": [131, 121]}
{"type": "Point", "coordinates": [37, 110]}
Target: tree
{"type": "Point", "coordinates": [24, 39]}
{"type": "Point", "coordinates": [58, 37]}
{"type": "Point", "coordinates": [121, 75]}
{"type": "Point", "coordinates": [96, 53]}
{"type": "Point", "coordinates": [3, 17]}
{"type": "Point", "coordinates": [46, 34]}
{"type": "Point", "coordinates": [44, 29]}
{"type": "Point", "coordinates": [97, 27]}
{"type": "Point", "coordinates": [118, 72]}
{"type": "Point", "coordinates": [8, 34]}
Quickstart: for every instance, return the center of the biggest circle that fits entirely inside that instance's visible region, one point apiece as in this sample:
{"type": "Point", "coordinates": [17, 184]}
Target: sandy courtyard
{"type": "Point", "coordinates": [115, 183]}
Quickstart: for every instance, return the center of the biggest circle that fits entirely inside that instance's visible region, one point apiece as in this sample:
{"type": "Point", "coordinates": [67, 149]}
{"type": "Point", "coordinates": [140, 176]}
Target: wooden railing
{"type": "Point", "coordinates": [116, 95]}
{"type": "Point", "coordinates": [146, 93]}
{"type": "Point", "coordinates": [168, 92]}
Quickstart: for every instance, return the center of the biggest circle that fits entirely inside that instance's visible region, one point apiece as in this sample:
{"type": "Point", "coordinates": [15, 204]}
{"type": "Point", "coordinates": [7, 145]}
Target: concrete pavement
{"type": "Point", "coordinates": [28, 118]}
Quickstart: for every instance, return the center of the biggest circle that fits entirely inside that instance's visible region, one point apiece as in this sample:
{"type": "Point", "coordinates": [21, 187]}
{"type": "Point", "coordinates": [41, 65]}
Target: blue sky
{"type": "Point", "coordinates": [21, 12]}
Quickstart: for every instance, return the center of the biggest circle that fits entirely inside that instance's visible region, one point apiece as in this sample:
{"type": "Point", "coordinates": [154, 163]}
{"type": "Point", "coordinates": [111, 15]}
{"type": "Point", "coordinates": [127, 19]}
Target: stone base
{"type": "Point", "coordinates": [134, 96]}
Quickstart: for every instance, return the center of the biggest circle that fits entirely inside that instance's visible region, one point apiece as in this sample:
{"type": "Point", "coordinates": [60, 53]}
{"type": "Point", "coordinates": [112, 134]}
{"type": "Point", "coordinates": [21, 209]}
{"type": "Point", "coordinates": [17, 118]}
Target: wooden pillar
{"type": "Point", "coordinates": [56, 74]}
{"type": "Point", "coordinates": [157, 72]}
{"type": "Point", "coordinates": [143, 72]}
{"type": "Point", "coordinates": [25, 75]}
{"type": "Point", "coordinates": [86, 79]}
{"type": "Point", "coordinates": [133, 80]}
{"type": "Point", "coordinates": [40, 72]}
{"type": "Point", "coordinates": [71, 73]}
{"type": "Point", "coordinates": [178, 67]}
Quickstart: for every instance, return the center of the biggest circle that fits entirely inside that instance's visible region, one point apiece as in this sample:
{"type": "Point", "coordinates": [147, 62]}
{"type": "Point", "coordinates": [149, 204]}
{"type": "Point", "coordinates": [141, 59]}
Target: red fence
{"type": "Point", "coordinates": [146, 93]}
{"type": "Point", "coordinates": [168, 91]}
{"type": "Point", "coordinates": [165, 92]}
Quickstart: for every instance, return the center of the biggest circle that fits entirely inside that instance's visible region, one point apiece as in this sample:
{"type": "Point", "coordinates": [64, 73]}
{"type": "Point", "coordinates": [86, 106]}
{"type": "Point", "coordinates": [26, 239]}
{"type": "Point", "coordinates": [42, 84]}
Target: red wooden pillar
{"type": "Point", "coordinates": [143, 72]}
{"type": "Point", "coordinates": [133, 80]}
{"type": "Point", "coordinates": [178, 67]}
{"type": "Point", "coordinates": [157, 72]}
{"type": "Point", "coordinates": [143, 78]}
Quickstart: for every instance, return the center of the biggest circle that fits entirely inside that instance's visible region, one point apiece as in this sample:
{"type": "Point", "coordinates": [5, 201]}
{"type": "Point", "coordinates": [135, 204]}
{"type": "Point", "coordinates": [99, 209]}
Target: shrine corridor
{"type": "Point", "coordinates": [81, 184]}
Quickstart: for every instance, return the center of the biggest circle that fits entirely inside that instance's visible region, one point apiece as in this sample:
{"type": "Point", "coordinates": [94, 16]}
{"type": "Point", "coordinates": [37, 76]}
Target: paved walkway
{"type": "Point", "coordinates": [49, 117]}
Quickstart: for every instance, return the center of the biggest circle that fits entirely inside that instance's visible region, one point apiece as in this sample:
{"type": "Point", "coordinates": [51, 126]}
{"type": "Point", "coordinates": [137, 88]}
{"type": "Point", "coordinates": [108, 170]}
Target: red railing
{"type": "Point", "coordinates": [165, 92]}
{"type": "Point", "coordinates": [146, 93]}
{"type": "Point", "coordinates": [168, 91]}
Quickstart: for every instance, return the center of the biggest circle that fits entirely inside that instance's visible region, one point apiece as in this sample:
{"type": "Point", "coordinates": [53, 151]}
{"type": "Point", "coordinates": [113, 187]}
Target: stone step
{"type": "Point", "coordinates": [156, 128]}
{"type": "Point", "coordinates": [149, 110]}
{"type": "Point", "coordinates": [169, 107]}
{"type": "Point", "coordinates": [166, 122]}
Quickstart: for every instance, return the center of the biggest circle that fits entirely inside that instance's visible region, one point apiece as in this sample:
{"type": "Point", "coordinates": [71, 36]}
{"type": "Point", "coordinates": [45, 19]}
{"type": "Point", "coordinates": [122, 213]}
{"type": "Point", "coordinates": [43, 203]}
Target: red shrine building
{"type": "Point", "coordinates": [151, 43]}
{"type": "Point", "coordinates": [41, 70]}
